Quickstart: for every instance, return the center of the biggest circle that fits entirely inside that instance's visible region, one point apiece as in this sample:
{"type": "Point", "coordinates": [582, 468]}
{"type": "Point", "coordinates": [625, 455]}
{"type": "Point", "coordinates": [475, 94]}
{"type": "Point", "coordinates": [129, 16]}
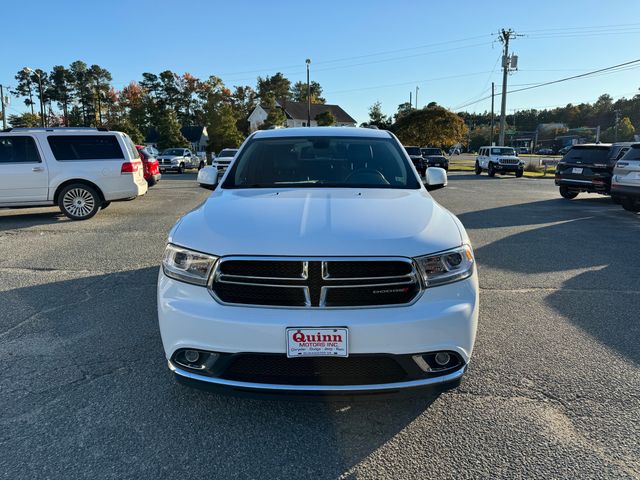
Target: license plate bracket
{"type": "Point", "coordinates": [317, 342]}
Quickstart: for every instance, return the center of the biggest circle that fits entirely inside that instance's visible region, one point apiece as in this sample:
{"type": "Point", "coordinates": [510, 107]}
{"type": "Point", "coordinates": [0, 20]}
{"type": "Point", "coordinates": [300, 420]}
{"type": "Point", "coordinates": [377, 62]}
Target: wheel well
{"type": "Point", "coordinates": [77, 180]}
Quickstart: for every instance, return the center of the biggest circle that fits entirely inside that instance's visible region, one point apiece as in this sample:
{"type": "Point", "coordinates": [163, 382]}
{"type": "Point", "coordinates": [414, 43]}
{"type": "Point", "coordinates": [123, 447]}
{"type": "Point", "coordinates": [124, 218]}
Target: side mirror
{"type": "Point", "coordinates": [208, 177]}
{"type": "Point", "coordinates": [436, 178]}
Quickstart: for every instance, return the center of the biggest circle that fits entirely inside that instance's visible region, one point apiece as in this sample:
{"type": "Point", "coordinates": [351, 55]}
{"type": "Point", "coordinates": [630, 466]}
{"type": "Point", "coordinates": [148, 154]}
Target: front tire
{"type": "Point", "coordinates": [568, 194]}
{"type": "Point", "coordinates": [478, 169]}
{"type": "Point", "coordinates": [631, 205]}
{"type": "Point", "coordinates": [519, 173]}
{"type": "Point", "coordinates": [79, 201]}
{"type": "Point", "coordinates": [492, 170]}
{"type": "Point", "coordinates": [181, 168]}
{"type": "Point", "coordinates": [104, 205]}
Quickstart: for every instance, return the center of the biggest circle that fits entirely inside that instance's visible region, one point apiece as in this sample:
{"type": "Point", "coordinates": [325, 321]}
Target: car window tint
{"type": "Point", "coordinates": [85, 147]}
{"type": "Point", "coordinates": [18, 149]}
{"type": "Point", "coordinates": [587, 155]}
{"type": "Point", "coordinates": [131, 147]}
{"type": "Point", "coordinates": [633, 154]}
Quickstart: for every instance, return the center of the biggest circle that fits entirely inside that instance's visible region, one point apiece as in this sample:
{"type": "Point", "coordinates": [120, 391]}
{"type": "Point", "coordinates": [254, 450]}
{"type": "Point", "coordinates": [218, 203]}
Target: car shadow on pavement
{"type": "Point", "coordinates": [581, 245]}
{"type": "Point", "coordinates": [16, 218]}
{"type": "Point", "coordinates": [83, 367]}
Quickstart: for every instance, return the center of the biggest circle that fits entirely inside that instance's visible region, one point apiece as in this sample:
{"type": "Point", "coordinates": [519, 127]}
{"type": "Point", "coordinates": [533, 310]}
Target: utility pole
{"type": "Point", "coordinates": [99, 103]}
{"type": "Point", "coordinates": [410, 100]}
{"type": "Point", "coordinates": [417, 88]}
{"type": "Point", "coordinates": [308, 62]}
{"type": "Point", "coordinates": [493, 94]}
{"type": "Point", "coordinates": [4, 112]}
{"type": "Point", "coordinates": [507, 64]}
{"type": "Point", "coordinates": [617, 112]}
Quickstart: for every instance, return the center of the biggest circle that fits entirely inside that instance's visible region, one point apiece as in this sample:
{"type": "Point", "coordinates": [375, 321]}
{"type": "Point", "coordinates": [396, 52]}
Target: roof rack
{"type": "Point", "coordinates": [54, 129]}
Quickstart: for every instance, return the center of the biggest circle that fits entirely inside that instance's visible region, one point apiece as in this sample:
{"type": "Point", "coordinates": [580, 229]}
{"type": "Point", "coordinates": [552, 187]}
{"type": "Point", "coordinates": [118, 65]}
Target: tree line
{"type": "Point", "coordinates": [438, 127]}
{"type": "Point", "coordinates": [83, 96]}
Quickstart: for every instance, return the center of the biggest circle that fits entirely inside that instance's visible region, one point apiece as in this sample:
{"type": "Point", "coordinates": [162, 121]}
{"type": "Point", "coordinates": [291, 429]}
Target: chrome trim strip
{"type": "Point", "coordinates": [455, 375]}
{"type": "Point", "coordinates": [250, 277]}
{"type": "Point", "coordinates": [574, 181]}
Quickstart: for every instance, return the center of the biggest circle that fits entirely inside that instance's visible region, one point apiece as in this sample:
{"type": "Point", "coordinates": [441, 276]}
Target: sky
{"type": "Point", "coordinates": [361, 51]}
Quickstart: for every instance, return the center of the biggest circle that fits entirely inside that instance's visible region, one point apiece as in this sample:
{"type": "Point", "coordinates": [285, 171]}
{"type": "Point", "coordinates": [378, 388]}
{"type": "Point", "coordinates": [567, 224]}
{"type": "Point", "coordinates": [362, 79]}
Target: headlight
{"type": "Point", "coordinates": [187, 265]}
{"type": "Point", "coordinates": [174, 160]}
{"type": "Point", "coordinates": [446, 267]}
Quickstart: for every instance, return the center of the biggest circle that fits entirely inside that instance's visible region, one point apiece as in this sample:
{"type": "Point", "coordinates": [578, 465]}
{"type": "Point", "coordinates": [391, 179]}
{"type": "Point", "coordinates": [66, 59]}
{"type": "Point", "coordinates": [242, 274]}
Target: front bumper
{"type": "Point", "coordinates": [443, 318]}
{"type": "Point", "coordinates": [225, 386]}
{"type": "Point", "coordinates": [507, 168]}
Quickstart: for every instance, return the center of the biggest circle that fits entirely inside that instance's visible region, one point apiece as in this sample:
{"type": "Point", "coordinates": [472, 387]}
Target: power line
{"type": "Point", "coordinates": [356, 57]}
{"type": "Point", "coordinates": [612, 69]}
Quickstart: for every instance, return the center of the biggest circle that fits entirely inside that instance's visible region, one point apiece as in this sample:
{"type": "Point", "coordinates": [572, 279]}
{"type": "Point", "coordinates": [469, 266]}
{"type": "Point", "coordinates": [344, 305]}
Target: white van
{"type": "Point", "coordinates": [82, 170]}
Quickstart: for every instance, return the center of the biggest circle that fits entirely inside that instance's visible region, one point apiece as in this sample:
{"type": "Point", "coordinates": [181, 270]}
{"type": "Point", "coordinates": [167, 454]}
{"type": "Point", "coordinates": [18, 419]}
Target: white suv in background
{"type": "Point", "coordinates": [498, 160]}
{"type": "Point", "coordinates": [625, 183]}
{"type": "Point", "coordinates": [79, 169]}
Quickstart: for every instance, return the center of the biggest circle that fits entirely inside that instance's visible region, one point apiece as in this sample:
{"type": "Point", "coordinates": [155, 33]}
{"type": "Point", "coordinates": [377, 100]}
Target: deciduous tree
{"type": "Point", "coordinates": [436, 126]}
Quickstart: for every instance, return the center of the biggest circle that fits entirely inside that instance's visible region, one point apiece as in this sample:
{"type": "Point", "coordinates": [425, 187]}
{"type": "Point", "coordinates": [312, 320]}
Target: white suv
{"type": "Point", "coordinates": [320, 264]}
{"type": "Point", "coordinates": [498, 160]}
{"type": "Point", "coordinates": [80, 170]}
{"type": "Point", "coordinates": [625, 183]}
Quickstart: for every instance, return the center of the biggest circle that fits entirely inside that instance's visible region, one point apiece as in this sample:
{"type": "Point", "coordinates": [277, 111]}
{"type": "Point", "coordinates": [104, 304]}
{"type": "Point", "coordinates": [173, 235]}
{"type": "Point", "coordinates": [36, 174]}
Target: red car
{"type": "Point", "coordinates": [150, 166]}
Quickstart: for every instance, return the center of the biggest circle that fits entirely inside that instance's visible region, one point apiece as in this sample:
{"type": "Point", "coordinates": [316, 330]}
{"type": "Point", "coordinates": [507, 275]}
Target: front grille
{"type": "Point", "coordinates": [509, 161]}
{"type": "Point", "coordinates": [315, 283]}
{"type": "Point", "coordinates": [278, 369]}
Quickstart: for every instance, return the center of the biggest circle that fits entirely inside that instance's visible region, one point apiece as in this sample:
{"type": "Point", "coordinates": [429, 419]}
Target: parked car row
{"type": "Point", "coordinates": [426, 157]}
{"type": "Point", "coordinates": [607, 169]}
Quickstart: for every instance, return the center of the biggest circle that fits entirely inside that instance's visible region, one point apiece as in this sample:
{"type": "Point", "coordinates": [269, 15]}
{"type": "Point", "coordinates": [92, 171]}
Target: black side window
{"type": "Point", "coordinates": [18, 150]}
{"type": "Point", "coordinates": [85, 147]}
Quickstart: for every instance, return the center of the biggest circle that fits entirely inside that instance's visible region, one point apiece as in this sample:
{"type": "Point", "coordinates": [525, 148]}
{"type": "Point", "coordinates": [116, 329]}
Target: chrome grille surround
{"type": "Point", "coordinates": [308, 286]}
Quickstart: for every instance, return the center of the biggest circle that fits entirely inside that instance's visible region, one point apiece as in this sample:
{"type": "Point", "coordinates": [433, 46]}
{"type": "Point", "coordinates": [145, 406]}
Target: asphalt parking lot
{"type": "Point", "coordinates": [553, 390]}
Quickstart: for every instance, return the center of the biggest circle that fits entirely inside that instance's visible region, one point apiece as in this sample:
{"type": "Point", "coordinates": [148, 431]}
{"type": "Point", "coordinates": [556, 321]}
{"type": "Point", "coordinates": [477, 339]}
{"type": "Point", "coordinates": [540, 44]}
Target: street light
{"type": "Point", "coordinates": [308, 62]}
{"type": "Point", "coordinates": [32, 71]}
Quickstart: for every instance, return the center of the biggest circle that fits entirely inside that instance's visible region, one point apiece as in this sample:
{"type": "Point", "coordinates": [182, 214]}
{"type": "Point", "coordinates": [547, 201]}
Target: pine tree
{"type": "Point", "coordinates": [169, 134]}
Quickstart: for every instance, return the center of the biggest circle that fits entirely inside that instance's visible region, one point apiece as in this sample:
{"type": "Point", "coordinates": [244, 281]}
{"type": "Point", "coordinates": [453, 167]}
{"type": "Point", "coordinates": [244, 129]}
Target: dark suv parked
{"type": "Point", "coordinates": [588, 168]}
{"type": "Point", "coordinates": [434, 157]}
{"type": "Point", "coordinates": [416, 157]}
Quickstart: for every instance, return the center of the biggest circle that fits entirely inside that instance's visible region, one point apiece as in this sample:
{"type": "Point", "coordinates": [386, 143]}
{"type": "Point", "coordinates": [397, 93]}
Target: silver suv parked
{"type": "Point", "coordinates": [625, 182]}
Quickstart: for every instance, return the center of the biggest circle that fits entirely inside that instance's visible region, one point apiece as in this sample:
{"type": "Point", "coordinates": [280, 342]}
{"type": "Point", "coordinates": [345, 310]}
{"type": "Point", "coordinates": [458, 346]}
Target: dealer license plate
{"type": "Point", "coordinates": [576, 170]}
{"type": "Point", "coordinates": [317, 342]}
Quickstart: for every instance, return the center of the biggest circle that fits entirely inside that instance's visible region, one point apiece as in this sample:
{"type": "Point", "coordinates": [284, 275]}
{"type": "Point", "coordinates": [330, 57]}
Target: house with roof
{"type": "Point", "coordinates": [197, 136]}
{"type": "Point", "coordinates": [296, 114]}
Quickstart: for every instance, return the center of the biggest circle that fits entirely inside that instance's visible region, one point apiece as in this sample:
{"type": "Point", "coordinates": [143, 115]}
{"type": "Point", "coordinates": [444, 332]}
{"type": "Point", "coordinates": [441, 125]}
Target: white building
{"type": "Point", "coordinates": [296, 114]}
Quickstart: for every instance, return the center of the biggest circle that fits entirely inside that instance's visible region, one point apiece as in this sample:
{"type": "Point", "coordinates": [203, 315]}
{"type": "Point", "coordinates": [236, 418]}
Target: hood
{"type": "Point", "coordinates": [318, 222]}
{"type": "Point", "coordinates": [167, 157]}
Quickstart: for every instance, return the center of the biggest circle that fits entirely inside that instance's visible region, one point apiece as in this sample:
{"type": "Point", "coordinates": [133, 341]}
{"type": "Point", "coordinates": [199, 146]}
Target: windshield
{"type": "Point", "coordinates": [431, 151]}
{"type": "Point", "coordinates": [304, 162]}
{"type": "Point", "coordinates": [173, 151]}
{"type": "Point", "coordinates": [587, 155]}
{"type": "Point", "coordinates": [227, 153]}
{"type": "Point", "coordinates": [413, 151]}
{"type": "Point", "coordinates": [503, 151]}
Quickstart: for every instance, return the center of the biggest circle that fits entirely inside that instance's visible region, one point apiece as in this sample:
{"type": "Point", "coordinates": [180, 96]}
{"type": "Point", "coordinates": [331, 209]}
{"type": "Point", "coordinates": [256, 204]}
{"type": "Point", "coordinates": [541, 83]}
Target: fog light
{"type": "Point", "coordinates": [442, 358]}
{"type": "Point", "coordinates": [191, 356]}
